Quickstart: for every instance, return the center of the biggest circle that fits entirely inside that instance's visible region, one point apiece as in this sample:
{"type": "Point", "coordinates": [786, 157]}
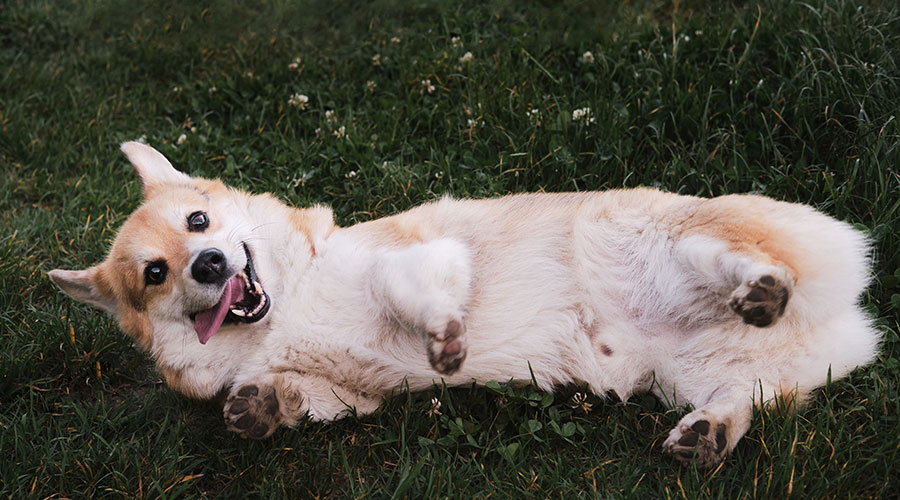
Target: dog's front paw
{"type": "Point", "coordinates": [699, 440]}
{"type": "Point", "coordinates": [761, 300]}
{"type": "Point", "coordinates": [252, 411]}
{"type": "Point", "coordinates": [447, 346]}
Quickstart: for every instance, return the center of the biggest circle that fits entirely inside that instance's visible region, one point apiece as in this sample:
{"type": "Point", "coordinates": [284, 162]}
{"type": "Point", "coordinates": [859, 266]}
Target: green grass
{"type": "Point", "coordinates": [798, 101]}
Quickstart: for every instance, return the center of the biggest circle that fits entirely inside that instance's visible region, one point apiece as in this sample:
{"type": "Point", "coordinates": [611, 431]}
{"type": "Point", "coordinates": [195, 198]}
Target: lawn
{"type": "Point", "coordinates": [374, 107]}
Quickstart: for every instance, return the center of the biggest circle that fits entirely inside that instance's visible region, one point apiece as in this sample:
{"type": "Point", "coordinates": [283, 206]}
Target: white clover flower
{"type": "Point", "coordinates": [588, 57]}
{"type": "Point", "coordinates": [376, 60]}
{"type": "Point", "coordinates": [177, 89]}
{"type": "Point", "coordinates": [427, 86]}
{"type": "Point", "coordinates": [579, 400]}
{"type": "Point", "coordinates": [395, 39]}
{"type": "Point", "coordinates": [181, 139]}
{"type": "Point", "coordinates": [295, 64]}
{"type": "Point", "coordinates": [340, 133]}
{"type": "Point", "coordinates": [193, 130]}
{"type": "Point", "coordinates": [370, 86]}
{"type": "Point", "coordinates": [583, 114]}
{"type": "Point", "coordinates": [249, 74]}
{"type": "Point", "coordinates": [534, 115]}
{"type": "Point", "coordinates": [329, 116]}
{"type": "Point", "coordinates": [319, 134]}
{"type": "Point", "coordinates": [474, 122]}
{"type": "Point", "coordinates": [213, 89]}
{"type": "Point", "coordinates": [466, 58]}
{"type": "Point", "coordinates": [455, 41]}
{"type": "Point", "coordinates": [351, 174]}
{"type": "Point", "coordinates": [300, 181]}
{"type": "Point", "coordinates": [298, 101]}
{"type": "Point", "coordinates": [435, 408]}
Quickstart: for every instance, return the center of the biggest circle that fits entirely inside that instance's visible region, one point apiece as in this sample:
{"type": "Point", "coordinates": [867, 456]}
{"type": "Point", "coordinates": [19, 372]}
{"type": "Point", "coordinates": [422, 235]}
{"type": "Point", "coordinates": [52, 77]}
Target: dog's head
{"type": "Point", "coordinates": [188, 267]}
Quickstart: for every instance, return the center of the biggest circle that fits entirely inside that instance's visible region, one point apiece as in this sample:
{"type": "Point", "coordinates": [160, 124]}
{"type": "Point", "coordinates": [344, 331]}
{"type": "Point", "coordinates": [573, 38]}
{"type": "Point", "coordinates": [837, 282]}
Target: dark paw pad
{"type": "Point", "coordinates": [760, 302]}
{"type": "Point", "coordinates": [447, 348]}
{"type": "Point", "coordinates": [721, 441]}
{"type": "Point", "coordinates": [691, 436]}
{"type": "Point", "coordinates": [698, 444]}
{"type": "Point", "coordinates": [252, 412]}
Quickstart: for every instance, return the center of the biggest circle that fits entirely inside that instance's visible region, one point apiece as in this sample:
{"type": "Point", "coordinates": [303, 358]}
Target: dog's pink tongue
{"type": "Point", "coordinates": [207, 322]}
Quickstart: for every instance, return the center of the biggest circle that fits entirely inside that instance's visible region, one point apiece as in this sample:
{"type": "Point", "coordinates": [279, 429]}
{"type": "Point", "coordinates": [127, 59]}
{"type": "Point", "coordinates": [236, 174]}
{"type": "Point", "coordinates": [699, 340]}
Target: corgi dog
{"type": "Point", "coordinates": [723, 304]}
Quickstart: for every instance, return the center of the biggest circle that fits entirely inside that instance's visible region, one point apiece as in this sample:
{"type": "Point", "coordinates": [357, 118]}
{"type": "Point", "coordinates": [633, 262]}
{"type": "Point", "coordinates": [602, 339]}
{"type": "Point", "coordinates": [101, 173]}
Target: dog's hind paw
{"type": "Point", "coordinates": [761, 299]}
{"type": "Point", "coordinates": [447, 346]}
{"type": "Point", "coordinates": [701, 441]}
{"type": "Point", "coordinates": [252, 411]}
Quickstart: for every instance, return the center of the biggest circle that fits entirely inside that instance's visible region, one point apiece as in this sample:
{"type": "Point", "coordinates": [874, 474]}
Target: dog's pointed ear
{"type": "Point", "coordinates": [84, 286]}
{"type": "Point", "coordinates": [153, 168]}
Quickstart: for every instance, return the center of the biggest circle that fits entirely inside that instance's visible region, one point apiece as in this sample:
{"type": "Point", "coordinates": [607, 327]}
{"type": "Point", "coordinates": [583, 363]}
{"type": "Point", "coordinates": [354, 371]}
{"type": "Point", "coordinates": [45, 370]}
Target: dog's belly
{"type": "Point", "coordinates": [548, 302]}
{"type": "Point", "coordinates": [554, 348]}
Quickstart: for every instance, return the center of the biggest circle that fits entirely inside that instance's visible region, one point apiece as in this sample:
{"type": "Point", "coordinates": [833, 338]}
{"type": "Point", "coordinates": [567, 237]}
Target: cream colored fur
{"type": "Point", "coordinates": [626, 291]}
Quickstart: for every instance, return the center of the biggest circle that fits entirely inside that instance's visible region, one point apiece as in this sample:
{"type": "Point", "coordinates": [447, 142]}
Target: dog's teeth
{"type": "Point", "coordinates": [259, 307]}
{"type": "Point", "coordinates": [239, 312]}
{"type": "Point", "coordinates": [257, 288]}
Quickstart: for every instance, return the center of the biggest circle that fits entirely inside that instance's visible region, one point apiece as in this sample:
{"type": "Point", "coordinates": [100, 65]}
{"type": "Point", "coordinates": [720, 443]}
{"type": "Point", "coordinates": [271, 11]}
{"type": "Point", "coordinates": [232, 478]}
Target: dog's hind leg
{"type": "Point", "coordinates": [738, 274]}
{"type": "Point", "coordinates": [754, 286]}
{"type": "Point", "coordinates": [706, 435]}
{"type": "Point", "coordinates": [425, 287]}
{"type": "Point", "coordinates": [766, 259]}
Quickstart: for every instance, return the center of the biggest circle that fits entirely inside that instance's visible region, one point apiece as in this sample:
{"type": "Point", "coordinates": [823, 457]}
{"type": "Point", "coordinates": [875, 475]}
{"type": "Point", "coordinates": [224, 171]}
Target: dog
{"type": "Point", "coordinates": [723, 304]}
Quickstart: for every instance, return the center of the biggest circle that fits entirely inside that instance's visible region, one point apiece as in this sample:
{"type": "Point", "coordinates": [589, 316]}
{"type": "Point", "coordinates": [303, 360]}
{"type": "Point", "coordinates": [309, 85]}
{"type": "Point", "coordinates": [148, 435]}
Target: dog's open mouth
{"type": "Point", "coordinates": [243, 301]}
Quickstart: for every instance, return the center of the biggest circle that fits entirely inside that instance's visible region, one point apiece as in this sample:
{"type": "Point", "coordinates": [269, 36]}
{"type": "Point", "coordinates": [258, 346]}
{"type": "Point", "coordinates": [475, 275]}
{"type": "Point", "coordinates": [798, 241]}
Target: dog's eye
{"type": "Point", "coordinates": [155, 273]}
{"type": "Point", "coordinates": [197, 222]}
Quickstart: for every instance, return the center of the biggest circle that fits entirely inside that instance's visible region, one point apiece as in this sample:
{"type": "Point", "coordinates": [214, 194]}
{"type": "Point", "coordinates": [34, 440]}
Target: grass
{"type": "Point", "coordinates": [796, 100]}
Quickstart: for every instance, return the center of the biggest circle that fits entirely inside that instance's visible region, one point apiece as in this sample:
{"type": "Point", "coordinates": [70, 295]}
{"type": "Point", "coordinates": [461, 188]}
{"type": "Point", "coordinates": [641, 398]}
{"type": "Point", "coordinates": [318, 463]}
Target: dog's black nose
{"type": "Point", "coordinates": [209, 266]}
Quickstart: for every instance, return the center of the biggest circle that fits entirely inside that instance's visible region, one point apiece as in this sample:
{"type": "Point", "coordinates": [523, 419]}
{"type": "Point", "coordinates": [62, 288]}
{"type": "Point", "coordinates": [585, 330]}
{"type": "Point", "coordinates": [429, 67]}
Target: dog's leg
{"type": "Point", "coordinates": [732, 267]}
{"type": "Point", "coordinates": [256, 408]}
{"type": "Point", "coordinates": [425, 287]}
{"type": "Point", "coordinates": [757, 286]}
{"type": "Point", "coordinates": [303, 380]}
{"type": "Point", "coordinates": [260, 403]}
{"type": "Point", "coordinates": [762, 296]}
{"type": "Point", "coordinates": [706, 435]}
{"type": "Point", "coordinates": [253, 410]}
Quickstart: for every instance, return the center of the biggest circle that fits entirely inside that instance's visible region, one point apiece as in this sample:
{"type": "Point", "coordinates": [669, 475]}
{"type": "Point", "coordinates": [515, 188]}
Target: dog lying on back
{"type": "Point", "coordinates": [720, 303]}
